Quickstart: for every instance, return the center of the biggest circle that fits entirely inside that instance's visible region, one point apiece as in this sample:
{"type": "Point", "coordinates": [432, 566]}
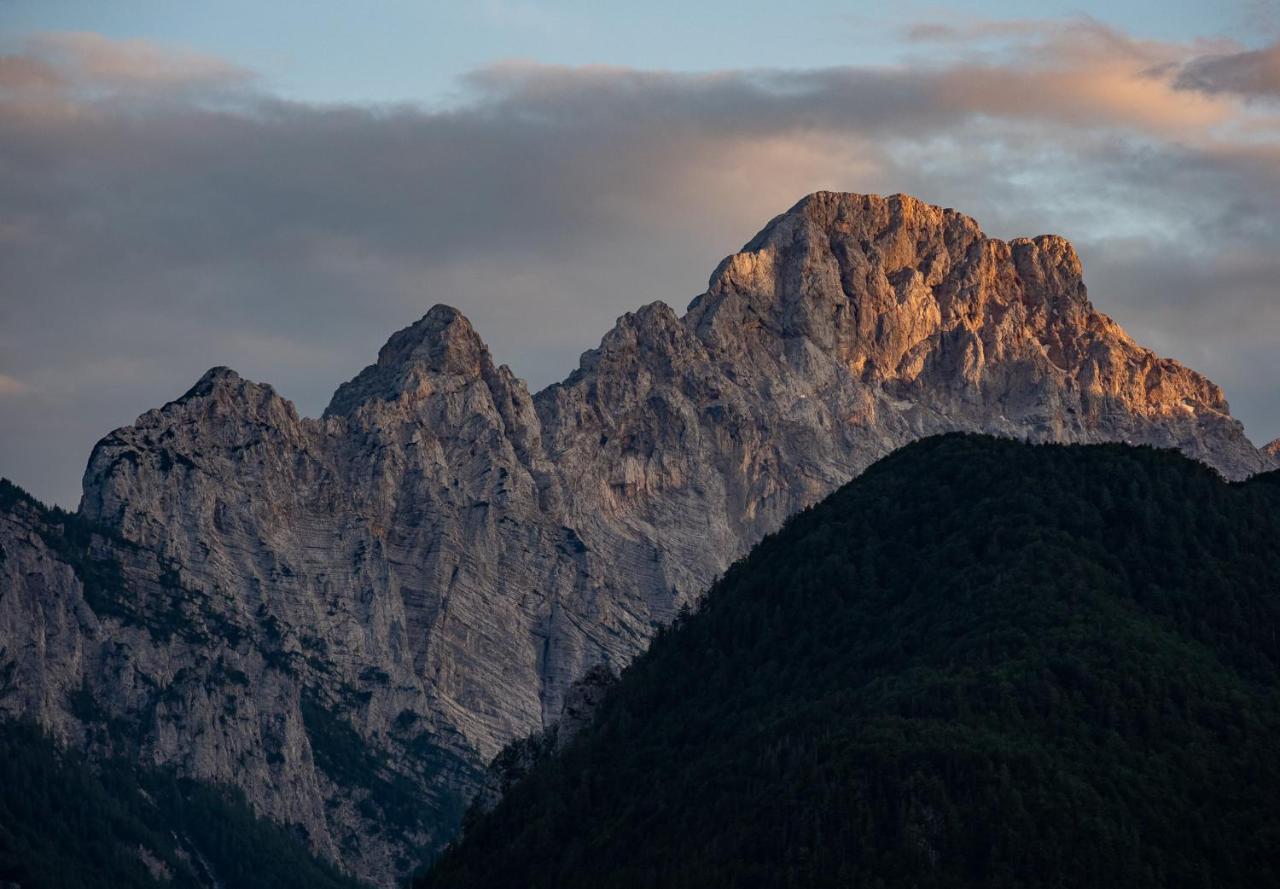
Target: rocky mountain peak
{"type": "Point", "coordinates": [442, 341]}
{"type": "Point", "coordinates": [441, 344]}
{"type": "Point", "coordinates": [221, 405]}
{"type": "Point", "coordinates": [222, 393]}
{"type": "Point", "coordinates": [652, 329]}
{"type": "Point", "coordinates": [223, 418]}
{"type": "Point", "coordinates": [212, 379]}
{"type": "Point", "coordinates": [837, 254]}
{"type": "Point", "coordinates": [1272, 450]}
{"type": "Point", "coordinates": [831, 268]}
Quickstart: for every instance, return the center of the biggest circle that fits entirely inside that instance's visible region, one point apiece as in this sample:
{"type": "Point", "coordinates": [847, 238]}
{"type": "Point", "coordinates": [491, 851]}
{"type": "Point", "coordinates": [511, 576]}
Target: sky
{"type": "Point", "coordinates": [278, 187]}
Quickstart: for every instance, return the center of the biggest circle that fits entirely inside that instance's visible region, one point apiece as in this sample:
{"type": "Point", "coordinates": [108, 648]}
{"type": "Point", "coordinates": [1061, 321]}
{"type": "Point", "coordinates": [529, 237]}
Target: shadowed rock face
{"type": "Point", "coordinates": [429, 566]}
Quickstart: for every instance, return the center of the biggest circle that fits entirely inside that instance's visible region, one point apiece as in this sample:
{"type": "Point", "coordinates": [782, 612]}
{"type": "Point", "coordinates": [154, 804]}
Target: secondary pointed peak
{"type": "Point", "coordinates": [441, 343]}
{"type": "Point", "coordinates": [442, 340]}
{"type": "Point", "coordinates": [220, 374]}
{"type": "Point", "coordinates": [213, 378]}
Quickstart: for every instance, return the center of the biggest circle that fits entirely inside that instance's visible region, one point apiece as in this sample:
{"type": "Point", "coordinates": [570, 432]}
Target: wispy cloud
{"type": "Point", "coordinates": [87, 66]}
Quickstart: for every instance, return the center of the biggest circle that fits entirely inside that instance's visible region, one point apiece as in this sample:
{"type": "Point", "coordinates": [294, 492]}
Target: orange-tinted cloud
{"type": "Point", "coordinates": [59, 67]}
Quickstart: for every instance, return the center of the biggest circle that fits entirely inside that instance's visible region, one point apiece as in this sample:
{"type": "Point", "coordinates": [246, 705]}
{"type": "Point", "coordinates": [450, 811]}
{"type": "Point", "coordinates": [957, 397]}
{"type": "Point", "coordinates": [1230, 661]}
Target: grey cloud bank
{"type": "Point", "coordinates": [1251, 73]}
{"type": "Point", "coordinates": [161, 213]}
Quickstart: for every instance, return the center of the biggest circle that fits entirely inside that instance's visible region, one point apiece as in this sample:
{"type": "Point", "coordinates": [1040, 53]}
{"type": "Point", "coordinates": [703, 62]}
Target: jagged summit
{"type": "Point", "coordinates": [831, 266]}
{"type": "Point", "coordinates": [442, 342]}
{"type": "Point", "coordinates": [652, 327]}
{"type": "Point", "coordinates": [210, 380]}
{"type": "Point", "coordinates": [226, 393]}
{"type": "Point", "coordinates": [827, 208]}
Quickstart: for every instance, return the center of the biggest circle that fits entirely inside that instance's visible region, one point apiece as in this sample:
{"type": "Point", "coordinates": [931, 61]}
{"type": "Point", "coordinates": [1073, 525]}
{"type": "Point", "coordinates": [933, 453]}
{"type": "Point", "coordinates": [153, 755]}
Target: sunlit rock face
{"type": "Point", "coordinates": [425, 570]}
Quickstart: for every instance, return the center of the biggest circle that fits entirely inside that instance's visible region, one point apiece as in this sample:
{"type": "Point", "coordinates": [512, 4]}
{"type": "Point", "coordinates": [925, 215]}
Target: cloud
{"type": "Point", "coordinates": [89, 60]}
{"type": "Point", "coordinates": [26, 72]}
{"type": "Point", "coordinates": [1254, 74]}
{"type": "Point", "coordinates": [10, 386]}
{"type": "Point", "coordinates": [972, 31]}
{"type": "Point", "coordinates": [161, 212]}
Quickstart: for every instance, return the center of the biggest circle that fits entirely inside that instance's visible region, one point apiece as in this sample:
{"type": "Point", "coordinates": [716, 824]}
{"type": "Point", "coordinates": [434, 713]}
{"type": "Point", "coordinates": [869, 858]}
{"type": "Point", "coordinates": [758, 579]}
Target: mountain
{"type": "Point", "coordinates": [347, 617]}
{"type": "Point", "coordinates": [982, 663]}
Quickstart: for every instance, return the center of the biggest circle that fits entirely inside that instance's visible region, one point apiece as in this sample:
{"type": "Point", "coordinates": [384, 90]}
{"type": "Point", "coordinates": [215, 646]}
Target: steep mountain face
{"type": "Point", "coordinates": [982, 663]}
{"type": "Point", "coordinates": [420, 574]}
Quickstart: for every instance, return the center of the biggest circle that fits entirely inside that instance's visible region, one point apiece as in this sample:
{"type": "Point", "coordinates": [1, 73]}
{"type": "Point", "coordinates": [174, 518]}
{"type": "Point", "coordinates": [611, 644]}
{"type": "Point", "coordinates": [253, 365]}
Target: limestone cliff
{"type": "Point", "coordinates": [348, 616]}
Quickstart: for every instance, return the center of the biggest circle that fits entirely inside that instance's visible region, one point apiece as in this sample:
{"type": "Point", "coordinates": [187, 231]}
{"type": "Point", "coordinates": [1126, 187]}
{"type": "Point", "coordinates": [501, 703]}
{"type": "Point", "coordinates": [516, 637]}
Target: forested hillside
{"type": "Point", "coordinates": [982, 663]}
{"type": "Point", "coordinates": [64, 825]}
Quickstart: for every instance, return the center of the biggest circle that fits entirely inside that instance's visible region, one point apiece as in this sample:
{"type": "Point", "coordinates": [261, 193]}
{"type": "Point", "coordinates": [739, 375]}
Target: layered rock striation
{"type": "Point", "coordinates": [348, 616]}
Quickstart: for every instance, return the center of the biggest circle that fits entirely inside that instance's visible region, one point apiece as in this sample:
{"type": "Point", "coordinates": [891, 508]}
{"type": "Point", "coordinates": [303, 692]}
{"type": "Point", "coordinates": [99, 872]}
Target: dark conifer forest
{"type": "Point", "coordinates": [982, 663]}
{"type": "Point", "coordinates": [67, 825]}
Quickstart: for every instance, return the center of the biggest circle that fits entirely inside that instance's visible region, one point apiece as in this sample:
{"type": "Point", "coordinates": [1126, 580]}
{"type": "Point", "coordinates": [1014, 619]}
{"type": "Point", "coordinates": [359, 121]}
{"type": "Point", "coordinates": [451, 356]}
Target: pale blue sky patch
{"type": "Point", "coordinates": [412, 50]}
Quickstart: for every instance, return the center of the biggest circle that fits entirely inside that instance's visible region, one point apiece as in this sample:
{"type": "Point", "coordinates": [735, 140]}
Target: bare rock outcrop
{"type": "Point", "coordinates": [425, 570]}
